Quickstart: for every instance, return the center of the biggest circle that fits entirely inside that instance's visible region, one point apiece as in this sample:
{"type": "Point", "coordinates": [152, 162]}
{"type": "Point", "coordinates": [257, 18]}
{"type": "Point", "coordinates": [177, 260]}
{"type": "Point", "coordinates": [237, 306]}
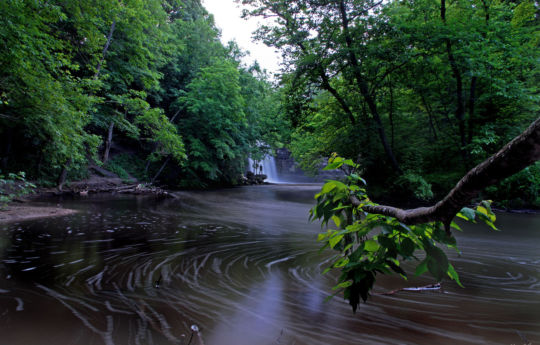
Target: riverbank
{"type": "Point", "coordinates": [25, 209]}
{"type": "Point", "coordinates": [16, 213]}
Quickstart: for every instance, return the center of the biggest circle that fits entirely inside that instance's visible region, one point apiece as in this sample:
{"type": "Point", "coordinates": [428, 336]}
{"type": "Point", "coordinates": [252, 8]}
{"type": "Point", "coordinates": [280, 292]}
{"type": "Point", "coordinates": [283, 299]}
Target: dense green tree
{"type": "Point", "coordinates": [215, 126]}
{"type": "Point", "coordinates": [44, 103]}
{"type": "Point", "coordinates": [407, 79]}
{"type": "Point", "coordinates": [80, 75]}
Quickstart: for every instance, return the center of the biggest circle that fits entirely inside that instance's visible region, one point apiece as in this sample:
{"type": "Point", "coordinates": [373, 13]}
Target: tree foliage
{"type": "Point", "coordinates": [81, 79]}
{"type": "Point", "coordinates": [417, 91]}
{"type": "Point", "coordinates": [369, 243]}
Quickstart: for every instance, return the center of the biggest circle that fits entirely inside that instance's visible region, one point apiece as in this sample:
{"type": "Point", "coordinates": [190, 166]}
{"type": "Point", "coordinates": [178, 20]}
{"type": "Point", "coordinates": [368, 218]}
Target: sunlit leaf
{"type": "Point", "coordinates": [371, 246]}
{"type": "Point", "coordinates": [335, 240]}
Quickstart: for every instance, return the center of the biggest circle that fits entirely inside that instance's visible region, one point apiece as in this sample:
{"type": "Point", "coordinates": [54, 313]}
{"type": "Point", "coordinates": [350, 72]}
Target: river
{"type": "Point", "coordinates": [243, 265]}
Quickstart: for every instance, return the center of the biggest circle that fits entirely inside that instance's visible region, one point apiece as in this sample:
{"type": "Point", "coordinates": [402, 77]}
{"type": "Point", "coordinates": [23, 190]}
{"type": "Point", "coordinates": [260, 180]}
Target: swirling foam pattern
{"type": "Point", "coordinates": [243, 265]}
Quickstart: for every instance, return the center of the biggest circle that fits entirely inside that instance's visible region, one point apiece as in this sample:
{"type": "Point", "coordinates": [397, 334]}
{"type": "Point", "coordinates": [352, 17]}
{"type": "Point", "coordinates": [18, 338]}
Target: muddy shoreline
{"type": "Point", "coordinates": [16, 213]}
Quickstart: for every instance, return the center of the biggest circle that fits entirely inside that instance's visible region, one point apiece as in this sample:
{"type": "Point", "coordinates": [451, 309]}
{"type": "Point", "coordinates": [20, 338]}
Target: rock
{"type": "Point", "coordinates": [252, 178]}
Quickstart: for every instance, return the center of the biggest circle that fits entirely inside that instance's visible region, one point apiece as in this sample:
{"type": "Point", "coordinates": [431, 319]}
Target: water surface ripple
{"type": "Point", "coordinates": [243, 265]}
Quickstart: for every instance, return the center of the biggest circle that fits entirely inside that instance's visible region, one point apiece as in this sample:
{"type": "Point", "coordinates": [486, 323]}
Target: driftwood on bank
{"type": "Point", "coordinates": [515, 156]}
{"type": "Point", "coordinates": [135, 189]}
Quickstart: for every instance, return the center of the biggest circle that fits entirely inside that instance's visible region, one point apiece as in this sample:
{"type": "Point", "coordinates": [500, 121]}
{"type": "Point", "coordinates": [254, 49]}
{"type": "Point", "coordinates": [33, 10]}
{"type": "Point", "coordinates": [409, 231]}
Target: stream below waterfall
{"type": "Point", "coordinates": [244, 266]}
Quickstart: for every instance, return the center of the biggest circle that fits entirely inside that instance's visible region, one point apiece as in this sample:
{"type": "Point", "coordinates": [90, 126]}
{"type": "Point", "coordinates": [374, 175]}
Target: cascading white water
{"type": "Point", "coordinates": [281, 169]}
{"type": "Point", "coordinates": [269, 169]}
{"type": "Point", "coordinates": [268, 165]}
{"type": "Point", "coordinates": [250, 167]}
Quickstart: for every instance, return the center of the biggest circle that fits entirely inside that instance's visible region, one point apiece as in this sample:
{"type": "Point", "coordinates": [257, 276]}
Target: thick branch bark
{"type": "Point", "coordinates": [518, 154]}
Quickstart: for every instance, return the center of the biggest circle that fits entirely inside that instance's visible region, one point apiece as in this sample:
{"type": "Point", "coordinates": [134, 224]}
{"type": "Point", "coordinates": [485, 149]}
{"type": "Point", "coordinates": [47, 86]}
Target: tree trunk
{"type": "Point", "coordinates": [472, 99]}
{"type": "Point", "coordinates": [161, 169]}
{"type": "Point", "coordinates": [174, 116]}
{"type": "Point", "coordinates": [7, 150]}
{"type": "Point", "coordinates": [108, 143]}
{"type": "Point", "coordinates": [105, 49]}
{"type": "Point", "coordinates": [518, 154]}
{"type": "Point", "coordinates": [364, 90]}
{"type": "Point", "coordinates": [147, 166]}
{"type": "Point", "coordinates": [460, 107]}
{"type": "Point", "coordinates": [430, 117]}
{"type": "Point", "coordinates": [326, 85]}
{"type": "Point", "coordinates": [391, 116]}
{"type": "Point", "coordinates": [63, 175]}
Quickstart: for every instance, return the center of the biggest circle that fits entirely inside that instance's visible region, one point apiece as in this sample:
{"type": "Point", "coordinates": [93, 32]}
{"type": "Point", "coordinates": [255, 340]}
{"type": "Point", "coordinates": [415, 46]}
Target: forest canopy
{"type": "Point", "coordinates": [416, 92]}
{"type": "Point", "coordinates": [148, 79]}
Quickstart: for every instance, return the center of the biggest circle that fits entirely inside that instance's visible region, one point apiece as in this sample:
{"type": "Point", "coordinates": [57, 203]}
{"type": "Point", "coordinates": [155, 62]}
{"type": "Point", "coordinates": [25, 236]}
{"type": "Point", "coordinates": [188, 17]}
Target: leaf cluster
{"type": "Point", "coordinates": [369, 244]}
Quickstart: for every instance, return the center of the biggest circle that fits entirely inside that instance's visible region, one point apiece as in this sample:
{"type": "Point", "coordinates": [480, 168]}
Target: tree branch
{"type": "Point", "coordinates": [105, 49]}
{"type": "Point", "coordinates": [518, 154]}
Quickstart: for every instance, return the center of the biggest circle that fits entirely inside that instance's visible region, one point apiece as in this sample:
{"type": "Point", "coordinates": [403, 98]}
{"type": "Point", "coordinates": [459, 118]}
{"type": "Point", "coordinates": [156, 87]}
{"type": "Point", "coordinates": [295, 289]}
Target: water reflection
{"type": "Point", "coordinates": [243, 265]}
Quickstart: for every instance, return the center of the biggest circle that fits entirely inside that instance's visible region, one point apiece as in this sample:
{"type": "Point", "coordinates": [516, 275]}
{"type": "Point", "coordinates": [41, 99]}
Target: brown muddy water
{"type": "Point", "coordinates": [244, 266]}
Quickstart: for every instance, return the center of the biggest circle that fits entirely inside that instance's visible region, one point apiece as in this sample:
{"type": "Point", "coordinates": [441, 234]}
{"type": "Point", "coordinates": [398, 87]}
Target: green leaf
{"type": "Point", "coordinates": [342, 285]}
{"type": "Point", "coordinates": [333, 166]}
{"type": "Point", "coordinates": [322, 237]}
{"type": "Point", "coordinates": [421, 268]}
{"type": "Point", "coordinates": [350, 163]}
{"type": "Point", "coordinates": [407, 247]}
{"type": "Point", "coordinates": [337, 220]}
{"type": "Point", "coordinates": [435, 269]}
{"type": "Point", "coordinates": [335, 240]}
{"type": "Point", "coordinates": [437, 262]}
{"type": "Point", "coordinates": [454, 225]}
{"type": "Point", "coordinates": [371, 245]}
{"type": "Point", "coordinates": [487, 213]}
{"type": "Point", "coordinates": [328, 186]}
{"type": "Point", "coordinates": [453, 274]}
{"type": "Point", "coordinates": [467, 214]}
{"type": "Point", "coordinates": [341, 262]}
{"type": "Point", "coordinates": [491, 225]}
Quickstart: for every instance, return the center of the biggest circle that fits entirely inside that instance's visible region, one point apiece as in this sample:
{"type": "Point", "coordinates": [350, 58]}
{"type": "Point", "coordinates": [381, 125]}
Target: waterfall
{"type": "Point", "coordinates": [269, 169]}
{"type": "Point", "coordinates": [268, 165]}
{"type": "Point", "coordinates": [282, 169]}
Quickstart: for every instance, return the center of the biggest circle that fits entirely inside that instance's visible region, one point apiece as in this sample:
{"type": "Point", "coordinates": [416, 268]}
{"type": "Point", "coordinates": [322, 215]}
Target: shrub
{"type": "Point", "coordinates": [13, 186]}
